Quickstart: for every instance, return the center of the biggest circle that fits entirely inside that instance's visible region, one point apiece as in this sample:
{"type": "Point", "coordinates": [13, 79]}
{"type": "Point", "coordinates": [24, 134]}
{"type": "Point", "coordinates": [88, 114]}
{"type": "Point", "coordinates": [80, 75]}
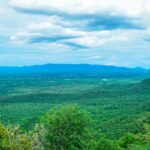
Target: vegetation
{"type": "Point", "coordinates": [111, 114]}
{"type": "Point", "coordinates": [68, 127]}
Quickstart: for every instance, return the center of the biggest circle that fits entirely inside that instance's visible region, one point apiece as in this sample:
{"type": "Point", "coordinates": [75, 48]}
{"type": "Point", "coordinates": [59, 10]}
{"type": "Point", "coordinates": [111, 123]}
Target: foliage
{"type": "Point", "coordinates": [115, 104]}
{"type": "Point", "coordinates": [3, 138]}
{"type": "Point", "coordinates": [12, 139]}
{"type": "Point", "coordinates": [119, 108]}
{"type": "Point", "coordinates": [69, 127]}
{"type": "Point", "coordinates": [126, 140]}
{"type": "Point", "coordinates": [66, 128]}
{"type": "Point", "coordinates": [105, 144]}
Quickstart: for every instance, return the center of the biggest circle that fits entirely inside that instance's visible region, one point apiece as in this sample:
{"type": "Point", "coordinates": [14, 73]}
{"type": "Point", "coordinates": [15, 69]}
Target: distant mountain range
{"type": "Point", "coordinates": [78, 69]}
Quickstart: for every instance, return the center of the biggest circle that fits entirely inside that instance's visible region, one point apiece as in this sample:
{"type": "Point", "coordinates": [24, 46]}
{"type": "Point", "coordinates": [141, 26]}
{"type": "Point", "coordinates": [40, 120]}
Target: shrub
{"type": "Point", "coordinates": [67, 128]}
{"type": "Point", "coordinates": [127, 140]}
{"type": "Point", "coordinates": [3, 138]}
{"type": "Point", "coordinates": [12, 139]}
{"type": "Point", "coordinates": [105, 144]}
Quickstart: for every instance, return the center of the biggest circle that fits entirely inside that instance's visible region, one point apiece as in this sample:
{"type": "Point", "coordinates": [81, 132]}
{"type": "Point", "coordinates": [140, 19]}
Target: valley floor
{"type": "Point", "coordinates": [114, 103]}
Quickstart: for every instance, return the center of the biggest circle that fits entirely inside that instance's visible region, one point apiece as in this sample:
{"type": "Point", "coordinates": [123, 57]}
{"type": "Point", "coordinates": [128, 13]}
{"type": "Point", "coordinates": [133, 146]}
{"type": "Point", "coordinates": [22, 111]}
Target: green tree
{"type": "Point", "coordinates": [67, 128]}
{"type": "Point", "coordinates": [105, 144]}
{"type": "Point", "coordinates": [127, 140]}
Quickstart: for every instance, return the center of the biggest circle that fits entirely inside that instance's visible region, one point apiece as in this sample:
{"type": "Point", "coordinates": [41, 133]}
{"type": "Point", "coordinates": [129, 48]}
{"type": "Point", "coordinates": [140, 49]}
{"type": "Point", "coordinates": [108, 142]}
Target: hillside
{"type": "Point", "coordinates": [101, 70]}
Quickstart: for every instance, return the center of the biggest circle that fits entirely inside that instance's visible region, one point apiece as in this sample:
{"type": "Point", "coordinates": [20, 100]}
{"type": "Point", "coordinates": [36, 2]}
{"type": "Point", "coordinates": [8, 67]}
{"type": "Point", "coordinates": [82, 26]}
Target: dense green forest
{"type": "Point", "coordinates": [70, 128]}
{"type": "Point", "coordinates": [74, 112]}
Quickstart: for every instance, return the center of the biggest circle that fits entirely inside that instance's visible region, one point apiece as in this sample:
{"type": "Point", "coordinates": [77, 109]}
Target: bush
{"type": "Point", "coordinates": [3, 138]}
{"type": "Point", "coordinates": [67, 128]}
{"type": "Point", "coordinates": [105, 144]}
{"type": "Point", "coordinates": [13, 139]}
{"type": "Point", "coordinates": [127, 140]}
{"type": "Point", "coordinates": [18, 140]}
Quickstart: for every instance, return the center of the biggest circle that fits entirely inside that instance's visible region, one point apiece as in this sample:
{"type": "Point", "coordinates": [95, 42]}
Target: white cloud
{"type": "Point", "coordinates": [23, 37]}
{"type": "Point", "coordinates": [90, 14]}
{"type": "Point", "coordinates": [53, 29]}
{"type": "Point", "coordinates": [94, 27]}
{"type": "Point", "coordinates": [63, 35]}
{"type": "Point", "coordinates": [44, 30]}
{"type": "Point", "coordinates": [129, 8]}
{"type": "Point", "coordinates": [100, 38]}
{"type": "Point", "coordinates": [91, 39]}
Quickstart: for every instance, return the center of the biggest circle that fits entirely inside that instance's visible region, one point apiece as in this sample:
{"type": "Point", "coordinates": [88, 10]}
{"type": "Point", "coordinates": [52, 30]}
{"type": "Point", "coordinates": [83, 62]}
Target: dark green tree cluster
{"type": "Point", "coordinates": [69, 128]}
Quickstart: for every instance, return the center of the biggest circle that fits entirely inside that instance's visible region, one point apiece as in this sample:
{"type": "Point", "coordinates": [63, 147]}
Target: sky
{"type": "Point", "coordinates": [106, 32]}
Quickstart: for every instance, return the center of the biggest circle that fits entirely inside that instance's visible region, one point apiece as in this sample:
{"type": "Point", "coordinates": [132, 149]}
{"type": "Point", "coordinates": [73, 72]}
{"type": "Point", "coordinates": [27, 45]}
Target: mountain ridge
{"type": "Point", "coordinates": [59, 64]}
{"type": "Point", "coordinates": [102, 70]}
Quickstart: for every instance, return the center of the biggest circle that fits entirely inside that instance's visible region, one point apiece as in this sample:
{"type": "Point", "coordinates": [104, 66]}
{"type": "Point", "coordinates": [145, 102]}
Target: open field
{"type": "Point", "coordinates": [114, 103]}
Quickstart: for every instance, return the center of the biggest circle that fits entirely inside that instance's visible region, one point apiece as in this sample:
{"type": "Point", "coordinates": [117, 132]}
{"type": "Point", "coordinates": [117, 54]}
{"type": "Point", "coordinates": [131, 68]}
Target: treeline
{"type": "Point", "coordinates": [70, 128]}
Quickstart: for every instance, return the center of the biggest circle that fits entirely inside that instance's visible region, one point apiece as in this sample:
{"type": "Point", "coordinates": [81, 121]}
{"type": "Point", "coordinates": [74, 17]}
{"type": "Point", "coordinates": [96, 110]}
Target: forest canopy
{"type": "Point", "coordinates": [70, 127]}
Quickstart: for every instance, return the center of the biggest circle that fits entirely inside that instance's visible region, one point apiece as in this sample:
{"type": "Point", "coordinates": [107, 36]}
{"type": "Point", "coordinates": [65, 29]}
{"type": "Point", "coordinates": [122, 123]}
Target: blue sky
{"type": "Point", "coordinates": [110, 32]}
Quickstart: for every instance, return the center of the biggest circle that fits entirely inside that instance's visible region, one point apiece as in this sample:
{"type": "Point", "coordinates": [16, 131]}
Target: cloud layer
{"type": "Point", "coordinates": [77, 31]}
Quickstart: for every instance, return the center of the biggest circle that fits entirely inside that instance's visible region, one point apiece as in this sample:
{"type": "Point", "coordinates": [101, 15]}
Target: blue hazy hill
{"type": "Point", "coordinates": [77, 69]}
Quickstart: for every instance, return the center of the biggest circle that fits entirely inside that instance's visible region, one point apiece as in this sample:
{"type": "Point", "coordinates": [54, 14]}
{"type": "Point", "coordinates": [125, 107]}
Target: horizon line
{"type": "Point", "coordinates": [21, 66]}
